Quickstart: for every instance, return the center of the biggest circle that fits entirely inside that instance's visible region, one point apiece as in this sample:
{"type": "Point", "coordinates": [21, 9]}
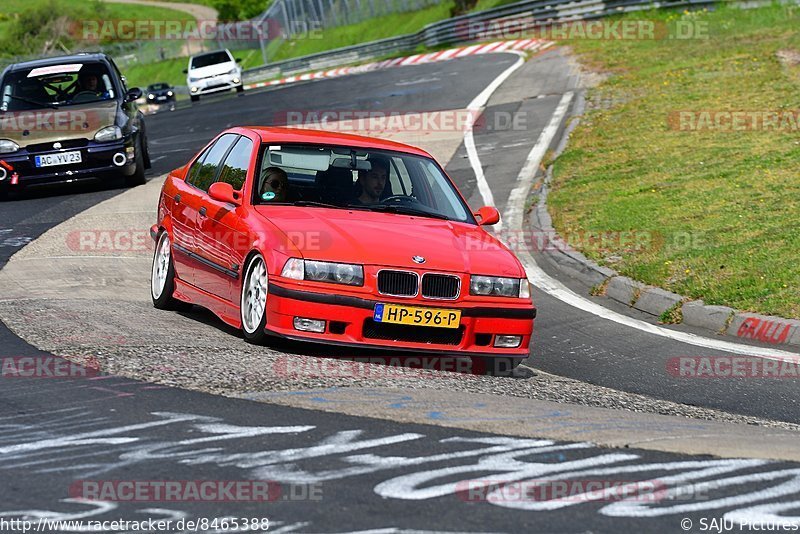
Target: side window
{"type": "Point", "coordinates": [399, 178]}
{"type": "Point", "coordinates": [236, 164]}
{"type": "Point", "coordinates": [204, 175]}
{"type": "Point", "coordinates": [120, 77]}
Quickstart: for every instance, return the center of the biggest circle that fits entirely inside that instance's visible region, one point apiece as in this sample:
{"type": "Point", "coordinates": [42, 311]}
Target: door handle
{"type": "Point", "coordinates": [178, 198]}
{"type": "Point", "coordinates": [203, 211]}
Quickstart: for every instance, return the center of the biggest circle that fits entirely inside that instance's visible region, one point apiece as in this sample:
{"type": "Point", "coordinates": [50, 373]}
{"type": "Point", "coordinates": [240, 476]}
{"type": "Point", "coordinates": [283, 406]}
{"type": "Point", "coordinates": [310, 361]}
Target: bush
{"type": "Point", "coordinates": [230, 10]}
{"type": "Point", "coordinates": [45, 27]}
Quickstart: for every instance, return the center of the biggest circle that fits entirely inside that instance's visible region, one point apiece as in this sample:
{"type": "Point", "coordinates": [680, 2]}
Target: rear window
{"type": "Point", "coordinates": [198, 62]}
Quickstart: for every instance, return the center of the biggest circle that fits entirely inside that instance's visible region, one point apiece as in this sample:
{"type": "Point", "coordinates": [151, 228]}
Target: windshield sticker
{"type": "Point", "coordinates": [55, 69]}
{"type": "Point", "coordinates": [269, 195]}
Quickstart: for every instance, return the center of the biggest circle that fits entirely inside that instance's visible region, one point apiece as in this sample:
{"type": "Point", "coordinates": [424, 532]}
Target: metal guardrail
{"type": "Point", "coordinates": [480, 26]}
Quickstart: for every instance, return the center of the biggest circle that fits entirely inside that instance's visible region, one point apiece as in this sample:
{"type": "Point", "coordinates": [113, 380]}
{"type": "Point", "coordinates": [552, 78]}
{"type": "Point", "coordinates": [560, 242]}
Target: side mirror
{"type": "Point", "coordinates": [487, 216]}
{"type": "Point", "coordinates": [186, 71]}
{"type": "Point", "coordinates": [133, 94]}
{"type": "Point", "coordinates": [237, 60]}
{"type": "Point", "coordinates": [223, 192]}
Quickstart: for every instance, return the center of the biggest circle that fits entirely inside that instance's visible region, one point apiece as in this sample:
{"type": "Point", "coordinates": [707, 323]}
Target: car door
{"type": "Point", "coordinates": [186, 212]}
{"type": "Point", "coordinates": [219, 228]}
{"type": "Point", "coordinates": [182, 202]}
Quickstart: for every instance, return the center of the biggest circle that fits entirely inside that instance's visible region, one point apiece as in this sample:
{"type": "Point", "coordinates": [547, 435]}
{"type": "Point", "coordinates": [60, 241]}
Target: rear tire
{"type": "Point", "coordinates": [253, 302]}
{"type": "Point", "coordinates": [162, 277]}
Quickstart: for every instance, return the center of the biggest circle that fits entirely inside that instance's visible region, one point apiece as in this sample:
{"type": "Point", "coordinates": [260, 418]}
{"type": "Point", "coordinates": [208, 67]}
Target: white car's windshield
{"type": "Point", "coordinates": [345, 177]}
{"type": "Point", "coordinates": [212, 58]}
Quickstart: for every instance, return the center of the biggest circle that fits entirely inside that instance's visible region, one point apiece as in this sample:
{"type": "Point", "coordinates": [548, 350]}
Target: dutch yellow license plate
{"type": "Point", "coordinates": [434, 317]}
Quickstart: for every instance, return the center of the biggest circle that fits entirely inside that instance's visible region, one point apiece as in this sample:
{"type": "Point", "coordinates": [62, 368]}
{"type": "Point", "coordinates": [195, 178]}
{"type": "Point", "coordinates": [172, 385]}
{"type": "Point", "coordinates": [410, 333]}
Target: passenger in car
{"type": "Point", "coordinates": [274, 185]}
{"type": "Point", "coordinates": [371, 184]}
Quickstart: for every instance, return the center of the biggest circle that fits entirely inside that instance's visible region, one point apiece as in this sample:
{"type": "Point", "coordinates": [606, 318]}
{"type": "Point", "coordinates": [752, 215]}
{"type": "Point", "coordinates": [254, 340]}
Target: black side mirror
{"type": "Point", "coordinates": [133, 94]}
{"type": "Point", "coordinates": [237, 60]}
{"type": "Point", "coordinates": [186, 71]}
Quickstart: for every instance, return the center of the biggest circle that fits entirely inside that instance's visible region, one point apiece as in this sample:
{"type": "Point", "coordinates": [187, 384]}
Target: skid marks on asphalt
{"type": "Point", "coordinates": [460, 470]}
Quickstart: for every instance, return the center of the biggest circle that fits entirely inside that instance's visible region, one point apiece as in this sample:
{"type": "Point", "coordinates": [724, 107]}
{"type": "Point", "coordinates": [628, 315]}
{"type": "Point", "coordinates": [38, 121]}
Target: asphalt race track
{"type": "Point", "coordinates": [341, 473]}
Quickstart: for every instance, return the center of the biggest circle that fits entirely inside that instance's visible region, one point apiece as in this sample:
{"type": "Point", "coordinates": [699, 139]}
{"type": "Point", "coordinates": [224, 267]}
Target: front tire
{"type": "Point", "coordinates": [253, 303]}
{"type": "Point", "coordinates": [138, 177]}
{"type": "Point", "coordinates": [162, 277]}
{"type": "Point", "coordinates": [195, 98]}
{"type": "Point", "coordinates": [240, 88]}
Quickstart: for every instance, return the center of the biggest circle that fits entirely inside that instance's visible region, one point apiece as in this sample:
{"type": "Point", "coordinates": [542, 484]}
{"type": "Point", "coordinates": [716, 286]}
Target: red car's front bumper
{"type": "Point", "coordinates": [349, 321]}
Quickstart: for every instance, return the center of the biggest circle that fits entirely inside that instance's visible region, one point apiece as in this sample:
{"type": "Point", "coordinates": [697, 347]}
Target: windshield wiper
{"type": "Point", "coordinates": [406, 210]}
{"type": "Point", "coordinates": [314, 204]}
{"type": "Point", "coordinates": [34, 102]}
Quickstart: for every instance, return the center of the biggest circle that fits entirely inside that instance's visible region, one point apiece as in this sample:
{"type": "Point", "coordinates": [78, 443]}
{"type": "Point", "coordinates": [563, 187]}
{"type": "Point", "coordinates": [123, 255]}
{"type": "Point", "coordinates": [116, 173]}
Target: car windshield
{"type": "Point", "coordinates": [55, 86]}
{"type": "Point", "coordinates": [212, 58]}
{"type": "Point", "coordinates": [157, 87]}
{"type": "Point", "coordinates": [357, 178]}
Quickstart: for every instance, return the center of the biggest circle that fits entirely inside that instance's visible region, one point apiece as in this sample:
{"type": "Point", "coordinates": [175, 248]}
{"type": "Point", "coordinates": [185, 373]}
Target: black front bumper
{"type": "Point", "coordinates": [96, 164]}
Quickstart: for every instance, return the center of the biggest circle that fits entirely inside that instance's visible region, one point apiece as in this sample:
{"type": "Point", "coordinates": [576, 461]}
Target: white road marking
{"type": "Point", "coordinates": [513, 217]}
{"type": "Point", "coordinates": [469, 141]}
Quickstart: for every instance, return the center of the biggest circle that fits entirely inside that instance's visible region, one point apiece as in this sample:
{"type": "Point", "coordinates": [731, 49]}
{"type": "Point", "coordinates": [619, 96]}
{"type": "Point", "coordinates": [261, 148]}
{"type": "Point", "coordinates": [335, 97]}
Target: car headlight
{"type": "Point", "coordinates": [494, 286]}
{"type": "Point", "coordinates": [170, 93]}
{"type": "Point", "coordinates": [109, 133]}
{"type": "Point", "coordinates": [233, 71]}
{"type": "Point", "coordinates": [192, 80]}
{"type": "Point", "coordinates": [151, 96]}
{"type": "Point", "coordinates": [293, 269]}
{"type": "Point", "coordinates": [323, 271]}
{"type": "Point", "coordinates": [337, 273]}
{"type": "Point", "coordinates": [7, 146]}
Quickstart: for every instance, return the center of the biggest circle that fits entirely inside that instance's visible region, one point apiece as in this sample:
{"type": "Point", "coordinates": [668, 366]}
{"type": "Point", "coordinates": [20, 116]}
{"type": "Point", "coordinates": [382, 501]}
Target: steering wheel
{"type": "Point", "coordinates": [399, 199]}
{"type": "Point", "coordinates": [84, 95]}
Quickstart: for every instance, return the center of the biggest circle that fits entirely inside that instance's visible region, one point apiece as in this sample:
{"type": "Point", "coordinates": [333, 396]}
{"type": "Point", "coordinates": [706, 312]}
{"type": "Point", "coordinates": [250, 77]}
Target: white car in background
{"type": "Point", "coordinates": [212, 72]}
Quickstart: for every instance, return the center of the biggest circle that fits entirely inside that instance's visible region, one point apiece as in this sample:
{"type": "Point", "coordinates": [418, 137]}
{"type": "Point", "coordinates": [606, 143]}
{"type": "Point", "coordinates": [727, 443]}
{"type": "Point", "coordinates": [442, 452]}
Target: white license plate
{"type": "Point", "coordinates": [161, 98]}
{"type": "Point", "coordinates": [62, 158]}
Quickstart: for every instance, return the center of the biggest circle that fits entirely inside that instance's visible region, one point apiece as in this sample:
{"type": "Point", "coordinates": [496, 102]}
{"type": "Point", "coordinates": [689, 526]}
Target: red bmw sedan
{"type": "Point", "coordinates": [338, 239]}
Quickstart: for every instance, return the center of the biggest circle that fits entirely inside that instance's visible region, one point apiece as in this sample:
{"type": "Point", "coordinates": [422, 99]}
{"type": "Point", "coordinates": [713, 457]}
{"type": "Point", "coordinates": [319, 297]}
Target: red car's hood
{"type": "Point", "coordinates": [389, 239]}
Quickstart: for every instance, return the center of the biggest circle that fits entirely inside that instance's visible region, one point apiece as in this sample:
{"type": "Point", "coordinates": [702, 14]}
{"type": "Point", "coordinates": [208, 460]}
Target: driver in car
{"type": "Point", "coordinates": [89, 82]}
{"type": "Point", "coordinates": [274, 185]}
{"type": "Point", "coordinates": [370, 184]}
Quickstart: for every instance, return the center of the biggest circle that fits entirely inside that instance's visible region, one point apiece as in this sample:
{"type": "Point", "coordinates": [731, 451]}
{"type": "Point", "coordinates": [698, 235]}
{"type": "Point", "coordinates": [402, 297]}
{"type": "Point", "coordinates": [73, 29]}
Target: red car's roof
{"type": "Point", "coordinates": [271, 134]}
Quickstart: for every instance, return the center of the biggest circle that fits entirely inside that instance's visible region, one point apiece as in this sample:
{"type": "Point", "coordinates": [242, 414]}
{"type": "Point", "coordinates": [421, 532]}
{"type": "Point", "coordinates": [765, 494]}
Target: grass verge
{"type": "Point", "coordinates": [75, 11]}
{"type": "Point", "coordinates": [371, 30]}
{"type": "Point", "coordinates": [719, 207]}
